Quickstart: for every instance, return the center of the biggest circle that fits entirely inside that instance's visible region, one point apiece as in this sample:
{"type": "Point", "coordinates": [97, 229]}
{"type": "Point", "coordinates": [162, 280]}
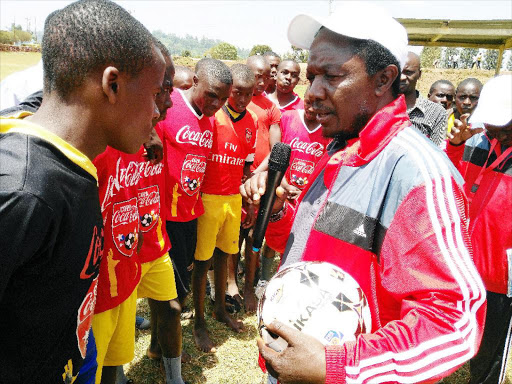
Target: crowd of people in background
{"type": "Point", "coordinates": [126, 177]}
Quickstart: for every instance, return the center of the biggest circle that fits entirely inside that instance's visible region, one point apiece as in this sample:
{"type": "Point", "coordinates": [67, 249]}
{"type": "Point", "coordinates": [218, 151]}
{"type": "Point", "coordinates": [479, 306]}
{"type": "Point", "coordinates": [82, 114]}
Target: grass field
{"type": "Point", "coordinates": [236, 358]}
{"type": "Point", "coordinates": [11, 62]}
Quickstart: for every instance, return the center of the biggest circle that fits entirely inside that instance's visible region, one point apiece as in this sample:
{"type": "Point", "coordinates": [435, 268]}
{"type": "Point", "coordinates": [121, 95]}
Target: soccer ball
{"type": "Point", "coordinates": [317, 298]}
{"type": "Point", "coordinates": [129, 240]}
{"type": "Point", "coordinates": [193, 184]}
{"type": "Point", "coordinates": [146, 220]}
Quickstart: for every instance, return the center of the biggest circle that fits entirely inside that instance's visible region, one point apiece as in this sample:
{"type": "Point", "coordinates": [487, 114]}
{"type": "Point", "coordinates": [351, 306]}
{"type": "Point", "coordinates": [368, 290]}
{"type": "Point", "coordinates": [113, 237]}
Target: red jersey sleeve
{"type": "Point", "coordinates": [455, 153]}
{"type": "Point", "coordinates": [278, 232]}
{"type": "Point", "coordinates": [274, 115]}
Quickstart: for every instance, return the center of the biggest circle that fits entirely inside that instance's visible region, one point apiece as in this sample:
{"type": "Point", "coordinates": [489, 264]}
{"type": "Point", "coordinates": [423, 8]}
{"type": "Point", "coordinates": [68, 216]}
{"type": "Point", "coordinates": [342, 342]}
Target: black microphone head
{"type": "Point", "coordinates": [279, 157]}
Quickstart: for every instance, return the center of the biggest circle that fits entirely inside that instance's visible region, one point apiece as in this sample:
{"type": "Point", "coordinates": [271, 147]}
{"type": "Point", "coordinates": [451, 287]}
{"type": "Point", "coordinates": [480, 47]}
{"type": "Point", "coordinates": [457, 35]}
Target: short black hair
{"type": "Point", "coordinates": [161, 46]}
{"type": "Point", "coordinates": [272, 53]}
{"type": "Point", "coordinates": [289, 60]}
{"type": "Point", "coordinates": [87, 35]}
{"type": "Point", "coordinates": [439, 82]}
{"type": "Point", "coordinates": [256, 59]}
{"type": "Point", "coordinates": [182, 68]}
{"type": "Point", "coordinates": [242, 72]}
{"type": "Point", "coordinates": [376, 57]}
{"type": "Point", "coordinates": [214, 69]}
{"type": "Point", "coordinates": [469, 80]}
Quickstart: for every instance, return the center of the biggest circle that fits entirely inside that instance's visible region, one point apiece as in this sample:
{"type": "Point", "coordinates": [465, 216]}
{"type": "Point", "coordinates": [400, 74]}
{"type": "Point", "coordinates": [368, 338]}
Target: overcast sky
{"type": "Point", "coordinates": [246, 23]}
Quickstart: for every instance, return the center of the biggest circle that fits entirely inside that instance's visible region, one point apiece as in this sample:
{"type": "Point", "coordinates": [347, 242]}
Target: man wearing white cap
{"type": "Point", "coordinates": [484, 158]}
{"type": "Point", "coordinates": [386, 206]}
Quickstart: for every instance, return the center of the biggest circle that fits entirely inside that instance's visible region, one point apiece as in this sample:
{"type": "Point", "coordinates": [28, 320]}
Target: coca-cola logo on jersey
{"type": "Point", "coordinates": [300, 170]}
{"type": "Point", "coordinates": [129, 177]}
{"type": "Point", "coordinates": [84, 318]}
{"type": "Point", "coordinates": [314, 148]}
{"type": "Point", "coordinates": [192, 173]}
{"type": "Point", "coordinates": [125, 226]}
{"type": "Point", "coordinates": [186, 135]}
{"type": "Point", "coordinates": [149, 207]}
{"type": "Point", "coordinates": [92, 261]}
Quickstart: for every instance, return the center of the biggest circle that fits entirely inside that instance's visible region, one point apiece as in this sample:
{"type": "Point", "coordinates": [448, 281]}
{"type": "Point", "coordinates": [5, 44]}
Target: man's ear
{"type": "Point", "coordinates": [384, 79]}
{"type": "Point", "coordinates": [196, 80]}
{"type": "Point", "coordinates": [110, 83]}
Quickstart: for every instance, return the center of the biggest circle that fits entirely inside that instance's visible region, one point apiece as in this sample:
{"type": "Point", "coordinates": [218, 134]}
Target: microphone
{"type": "Point", "coordinates": [277, 164]}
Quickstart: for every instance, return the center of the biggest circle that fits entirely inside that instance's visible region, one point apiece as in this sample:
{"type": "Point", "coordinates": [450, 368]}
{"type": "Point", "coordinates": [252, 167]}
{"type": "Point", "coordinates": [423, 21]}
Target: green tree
{"type": "Point", "coordinates": [467, 55]}
{"type": "Point", "coordinates": [6, 37]}
{"type": "Point", "coordinates": [490, 59]}
{"type": "Point", "coordinates": [186, 53]}
{"type": "Point", "coordinates": [429, 55]}
{"type": "Point", "coordinates": [298, 54]}
{"type": "Point", "coordinates": [224, 51]}
{"type": "Point", "coordinates": [19, 35]}
{"type": "Point", "coordinates": [259, 49]}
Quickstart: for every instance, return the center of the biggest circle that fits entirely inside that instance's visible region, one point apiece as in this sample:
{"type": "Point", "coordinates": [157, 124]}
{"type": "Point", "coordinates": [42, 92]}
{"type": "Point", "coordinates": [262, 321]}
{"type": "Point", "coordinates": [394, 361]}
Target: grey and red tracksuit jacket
{"type": "Point", "coordinates": [490, 209]}
{"type": "Point", "coordinates": [388, 208]}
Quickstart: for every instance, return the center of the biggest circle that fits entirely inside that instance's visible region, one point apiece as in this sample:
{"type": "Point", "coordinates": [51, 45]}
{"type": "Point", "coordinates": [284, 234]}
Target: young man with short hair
{"type": "Point", "coordinates": [157, 281]}
{"type": "Point", "coordinates": [184, 78]}
{"type": "Point", "coordinates": [273, 60]}
{"type": "Point", "coordinates": [466, 96]}
{"type": "Point", "coordinates": [288, 76]}
{"type": "Point", "coordinates": [268, 113]}
{"type": "Point", "coordinates": [188, 139]}
{"type": "Point", "coordinates": [234, 140]}
{"type": "Point", "coordinates": [50, 266]}
{"type": "Point", "coordinates": [442, 92]}
{"type": "Point", "coordinates": [269, 116]}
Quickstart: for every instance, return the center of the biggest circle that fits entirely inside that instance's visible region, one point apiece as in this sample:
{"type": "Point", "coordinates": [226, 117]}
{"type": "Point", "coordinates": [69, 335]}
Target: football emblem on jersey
{"type": "Point", "coordinates": [248, 135]}
{"type": "Point", "coordinates": [129, 240]}
{"type": "Point", "coordinates": [146, 220]}
{"type": "Point", "coordinates": [125, 226]}
{"type": "Point", "coordinates": [192, 173]}
{"type": "Point", "coordinates": [300, 171]}
{"type": "Point", "coordinates": [149, 207]}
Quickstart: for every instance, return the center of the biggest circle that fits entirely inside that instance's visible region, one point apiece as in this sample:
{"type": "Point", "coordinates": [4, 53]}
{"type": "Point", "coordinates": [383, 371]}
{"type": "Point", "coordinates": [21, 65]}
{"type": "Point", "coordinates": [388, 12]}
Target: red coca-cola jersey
{"type": "Point", "coordinates": [187, 139]}
{"type": "Point", "coordinates": [234, 142]}
{"type": "Point", "coordinates": [150, 182]}
{"type": "Point", "coordinates": [307, 147]}
{"type": "Point", "coordinates": [120, 265]}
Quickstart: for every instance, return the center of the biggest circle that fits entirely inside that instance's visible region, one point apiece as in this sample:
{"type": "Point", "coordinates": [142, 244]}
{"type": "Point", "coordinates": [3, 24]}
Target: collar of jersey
{"type": "Point", "coordinates": [291, 102]}
{"type": "Point", "coordinates": [16, 124]}
{"type": "Point", "coordinates": [233, 115]}
{"type": "Point", "coordinates": [199, 117]}
{"type": "Point", "coordinates": [378, 132]}
{"type": "Point", "coordinates": [301, 115]}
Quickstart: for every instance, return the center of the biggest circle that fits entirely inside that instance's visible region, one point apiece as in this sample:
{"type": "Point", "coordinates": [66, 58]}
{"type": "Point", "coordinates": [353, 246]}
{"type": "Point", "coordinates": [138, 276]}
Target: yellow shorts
{"type": "Point", "coordinates": [157, 280]}
{"type": "Point", "coordinates": [114, 331]}
{"type": "Point", "coordinates": [219, 226]}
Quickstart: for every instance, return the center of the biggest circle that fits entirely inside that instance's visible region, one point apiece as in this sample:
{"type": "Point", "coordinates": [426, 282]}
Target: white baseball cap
{"type": "Point", "coordinates": [357, 20]}
{"type": "Point", "coordinates": [495, 103]}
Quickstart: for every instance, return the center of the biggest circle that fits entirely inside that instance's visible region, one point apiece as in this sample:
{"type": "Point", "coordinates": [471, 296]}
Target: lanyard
{"type": "Point", "coordinates": [488, 169]}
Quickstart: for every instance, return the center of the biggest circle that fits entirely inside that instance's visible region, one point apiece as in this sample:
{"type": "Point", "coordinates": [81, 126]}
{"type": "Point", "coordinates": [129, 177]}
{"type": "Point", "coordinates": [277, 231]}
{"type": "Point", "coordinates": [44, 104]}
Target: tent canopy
{"type": "Point", "coordinates": [490, 34]}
